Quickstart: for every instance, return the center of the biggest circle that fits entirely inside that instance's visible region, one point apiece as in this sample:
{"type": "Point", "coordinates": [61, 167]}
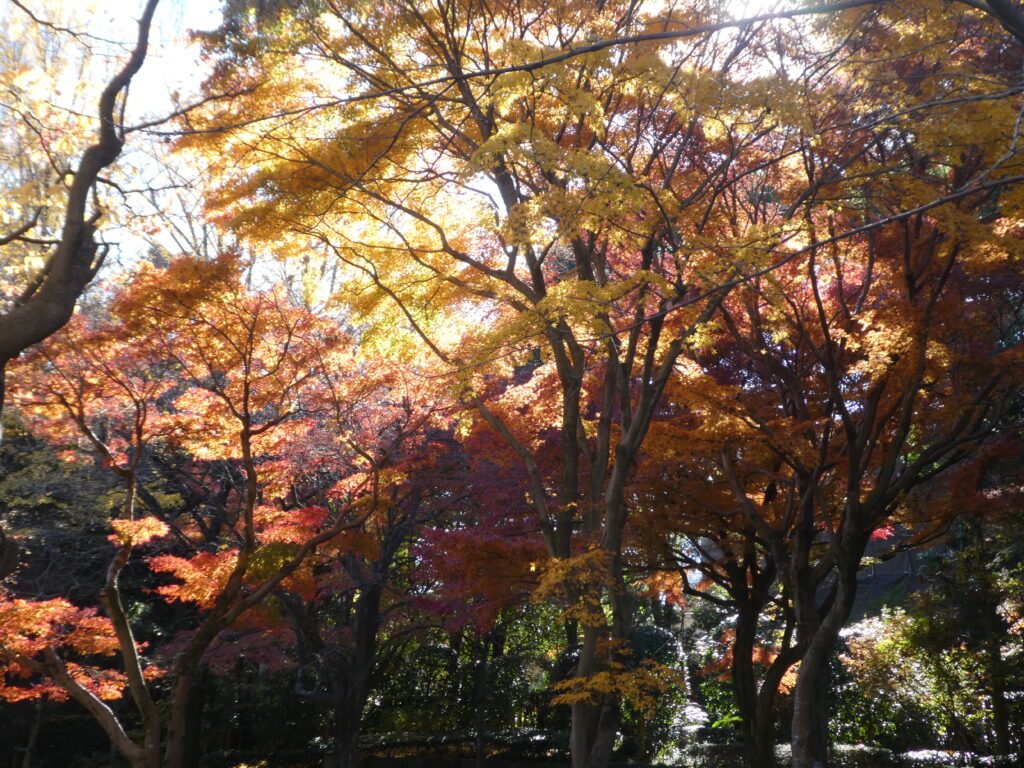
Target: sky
{"type": "Point", "coordinates": [172, 64]}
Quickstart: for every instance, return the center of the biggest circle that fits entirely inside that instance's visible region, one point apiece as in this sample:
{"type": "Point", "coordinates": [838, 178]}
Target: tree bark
{"type": "Point", "coordinates": [192, 738]}
{"type": "Point", "coordinates": [757, 747]}
{"type": "Point", "coordinates": [583, 713]}
{"type": "Point", "coordinates": [809, 731]}
{"type": "Point", "coordinates": [480, 715]}
{"type": "Point", "coordinates": [345, 753]}
{"type": "Point", "coordinates": [807, 747]}
{"type": "Point", "coordinates": [178, 720]}
{"type": "Point", "coordinates": [101, 711]}
{"type": "Point", "coordinates": [47, 306]}
{"type": "Point", "coordinates": [33, 735]}
{"type": "Point", "coordinates": [353, 676]}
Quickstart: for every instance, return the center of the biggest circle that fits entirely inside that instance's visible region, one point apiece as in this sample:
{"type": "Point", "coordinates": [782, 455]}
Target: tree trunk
{"type": "Point", "coordinates": [346, 752]}
{"type": "Point", "coordinates": [47, 304]}
{"type": "Point", "coordinates": [33, 734]}
{"type": "Point", "coordinates": [607, 729]}
{"type": "Point", "coordinates": [995, 628]}
{"type": "Point", "coordinates": [809, 749]}
{"type": "Point", "coordinates": [192, 738]}
{"type": "Point", "coordinates": [809, 732]}
{"type": "Point", "coordinates": [757, 749]}
{"type": "Point", "coordinates": [353, 677]}
{"type": "Point", "coordinates": [1000, 708]}
{"type": "Point", "coordinates": [584, 714]}
{"type": "Point", "coordinates": [178, 720]}
{"type": "Point", "coordinates": [480, 719]}
{"type": "Point", "coordinates": [594, 725]}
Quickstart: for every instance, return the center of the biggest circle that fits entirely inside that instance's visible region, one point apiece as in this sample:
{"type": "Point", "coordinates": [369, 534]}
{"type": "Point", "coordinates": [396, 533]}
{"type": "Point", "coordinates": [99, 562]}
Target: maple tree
{"type": "Point", "coordinates": [249, 371]}
{"type": "Point", "coordinates": [716, 558]}
{"type": "Point", "coordinates": [554, 206]}
{"type": "Point", "coordinates": [37, 296]}
{"type": "Point", "coordinates": [359, 600]}
{"type": "Point", "coordinates": [860, 376]}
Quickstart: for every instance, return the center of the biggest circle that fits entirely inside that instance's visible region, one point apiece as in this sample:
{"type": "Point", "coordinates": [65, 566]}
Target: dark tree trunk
{"type": "Point", "coordinates": [353, 676]}
{"type": "Point", "coordinates": [178, 718]}
{"type": "Point", "coordinates": [751, 588]}
{"type": "Point", "coordinates": [744, 687]}
{"type": "Point", "coordinates": [346, 752]}
{"type": "Point", "coordinates": [757, 746]}
{"type": "Point", "coordinates": [33, 735]}
{"type": "Point", "coordinates": [593, 725]}
{"type": "Point", "coordinates": [819, 635]}
{"type": "Point", "coordinates": [1000, 718]}
{"type": "Point", "coordinates": [584, 714]}
{"type": "Point", "coordinates": [480, 715]}
{"type": "Point", "coordinates": [192, 738]}
{"type": "Point", "coordinates": [809, 749]}
{"type": "Point", "coordinates": [607, 728]}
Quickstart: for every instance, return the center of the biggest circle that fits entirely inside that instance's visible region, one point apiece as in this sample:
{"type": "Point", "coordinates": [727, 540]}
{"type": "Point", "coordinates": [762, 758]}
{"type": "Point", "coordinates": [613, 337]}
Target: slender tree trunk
{"type": "Point", "coordinates": [584, 714]}
{"type": "Point", "coordinates": [1000, 719]}
{"type": "Point", "coordinates": [997, 689]}
{"type": "Point", "coordinates": [33, 734]}
{"type": "Point", "coordinates": [822, 711]}
{"type": "Point", "coordinates": [480, 716]}
{"type": "Point", "coordinates": [135, 754]}
{"type": "Point", "coordinates": [192, 737]}
{"type": "Point", "coordinates": [757, 747]}
{"type": "Point", "coordinates": [995, 628]}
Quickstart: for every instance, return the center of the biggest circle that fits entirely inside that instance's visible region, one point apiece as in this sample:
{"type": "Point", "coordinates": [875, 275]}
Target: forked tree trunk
{"type": "Point", "coordinates": [594, 724]}
{"type": "Point", "coordinates": [809, 731]}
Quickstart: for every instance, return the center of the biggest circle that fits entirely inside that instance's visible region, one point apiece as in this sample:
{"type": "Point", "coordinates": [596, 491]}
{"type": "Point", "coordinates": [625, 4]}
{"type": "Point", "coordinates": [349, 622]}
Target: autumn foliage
{"type": "Point", "coordinates": [607, 309]}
